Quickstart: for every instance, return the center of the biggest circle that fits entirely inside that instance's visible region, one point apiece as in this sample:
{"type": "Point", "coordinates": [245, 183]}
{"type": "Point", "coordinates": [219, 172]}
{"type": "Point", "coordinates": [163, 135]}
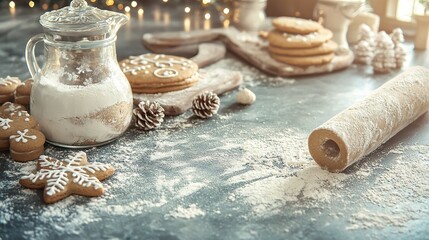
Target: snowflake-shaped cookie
{"type": "Point", "coordinates": [61, 178]}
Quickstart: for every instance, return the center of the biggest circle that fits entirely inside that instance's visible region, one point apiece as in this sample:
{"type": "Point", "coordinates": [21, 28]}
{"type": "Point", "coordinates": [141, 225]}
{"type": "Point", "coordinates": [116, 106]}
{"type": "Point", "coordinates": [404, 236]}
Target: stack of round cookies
{"type": "Point", "coordinates": [158, 73]}
{"type": "Point", "coordinates": [300, 42]}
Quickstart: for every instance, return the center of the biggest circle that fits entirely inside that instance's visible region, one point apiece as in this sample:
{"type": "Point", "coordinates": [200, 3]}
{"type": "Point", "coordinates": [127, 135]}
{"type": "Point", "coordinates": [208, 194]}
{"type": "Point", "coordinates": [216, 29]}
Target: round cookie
{"type": "Point", "coordinates": [26, 145]}
{"type": "Point", "coordinates": [190, 81]}
{"type": "Point", "coordinates": [296, 25]}
{"type": "Point", "coordinates": [7, 88]}
{"type": "Point", "coordinates": [157, 68]}
{"type": "Point", "coordinates": [23, 92]}
{"type": "Point", "coordinates": [286, 40]}
{"type": "Point", "coordinates": [304, 61]}
{"type": "Point", "coordinates": [327, 47]}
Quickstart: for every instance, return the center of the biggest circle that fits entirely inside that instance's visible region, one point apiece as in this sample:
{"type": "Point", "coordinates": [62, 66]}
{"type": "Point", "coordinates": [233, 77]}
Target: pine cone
{"type": "Point", "coordinates": [205, 105]}
{"type": "Point", "coordinates": [148, 115]}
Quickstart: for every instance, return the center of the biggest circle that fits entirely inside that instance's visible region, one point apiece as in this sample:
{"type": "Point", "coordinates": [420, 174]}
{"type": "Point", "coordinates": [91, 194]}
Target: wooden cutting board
{"type": "Point", "coordinates": [218, 81]}
{"type": "Point", "coordinates": [249, 47]}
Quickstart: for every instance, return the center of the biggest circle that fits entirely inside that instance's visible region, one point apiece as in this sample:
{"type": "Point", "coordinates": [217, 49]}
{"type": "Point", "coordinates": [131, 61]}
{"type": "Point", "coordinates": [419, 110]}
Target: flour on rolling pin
{"type": "Point", "coordinates": [363, 127]}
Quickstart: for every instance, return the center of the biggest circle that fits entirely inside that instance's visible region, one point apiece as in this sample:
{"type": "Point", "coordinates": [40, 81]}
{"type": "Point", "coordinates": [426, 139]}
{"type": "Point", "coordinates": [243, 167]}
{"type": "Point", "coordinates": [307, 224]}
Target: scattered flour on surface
{"type": "Point", "coordinates": [186, 212]}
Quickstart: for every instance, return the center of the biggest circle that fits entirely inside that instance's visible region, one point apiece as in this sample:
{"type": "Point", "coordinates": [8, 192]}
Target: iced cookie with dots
{"type": "Point", "coordinates": [8, 108]}
{"type": "Point", "coordinates": [23, 92]}
{"type": "Point", "coordinates": [8, 86]}
{"type": "Point", "coordinates": [287, 40]}
{"type": "Point", "coordinates": [62, 178]}
{"type": "Point", "coordinates": [11, 124]}
{"type": "Point", "coordinates": [296, 25]}
{"type": "Point", "coordinates": [26, 145]}
{"type": "Point", "coordinates": [157, 68]}
{"type": "Point", "coordinates": [162, 88]}
{"type": "Point", "coordinates": [158, 73]}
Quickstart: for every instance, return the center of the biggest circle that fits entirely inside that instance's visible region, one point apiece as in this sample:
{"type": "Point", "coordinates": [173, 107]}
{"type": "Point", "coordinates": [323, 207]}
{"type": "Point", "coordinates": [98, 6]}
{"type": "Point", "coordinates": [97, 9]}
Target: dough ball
{"type": "Point", "coordinates": [245, 96]}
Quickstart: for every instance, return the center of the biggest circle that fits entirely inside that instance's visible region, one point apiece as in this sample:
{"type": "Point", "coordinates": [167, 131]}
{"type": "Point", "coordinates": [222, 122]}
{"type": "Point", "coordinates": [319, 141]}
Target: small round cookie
{"type": "Point", "coordinates": [23, 92]}
{"type": "Point", "coordinates": [285, 40]}
{"type": "Point", "coordinates": [296, 25]}
{"type": "Point", "coordinates": [325, 48]}
{"type": "Point", "coordinates": [304, 61]}
{"type": "Point", "coordinates": [189, 81]}
{"type": "Point", "coordinates": [157, 68]}
{"type": "Point", "coordinates": [8, 108]}
{"type": "Point", "coordinates": [26, 145]}
{"type": "Point", "coordinates": [8, 86]}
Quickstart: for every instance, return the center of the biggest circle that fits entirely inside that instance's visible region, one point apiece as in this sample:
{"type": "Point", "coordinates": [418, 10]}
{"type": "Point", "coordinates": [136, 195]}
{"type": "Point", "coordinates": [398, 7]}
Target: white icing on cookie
{"type": "Point", "coordinates": [164, 65]}
{"type": "Point", "coordinates": [22, 136]}
{"type": "Point", "coordinates": [58, 173]}
{"type": "Point", "coordinates": [5, 123]}
{"type": "Point", "coordinates": [12, 107]}
{"type": "Point", "coordinates": [22, 114]}
{"type": "Point", "coordinates": [9, 81]}
{"type": "Point", "coordinates": [166, 72]}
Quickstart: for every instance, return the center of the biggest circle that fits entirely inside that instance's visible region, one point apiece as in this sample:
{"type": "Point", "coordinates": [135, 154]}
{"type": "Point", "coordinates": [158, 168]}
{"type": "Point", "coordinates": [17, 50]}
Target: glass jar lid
{"type": "Point", "coordinates": [79, 18]}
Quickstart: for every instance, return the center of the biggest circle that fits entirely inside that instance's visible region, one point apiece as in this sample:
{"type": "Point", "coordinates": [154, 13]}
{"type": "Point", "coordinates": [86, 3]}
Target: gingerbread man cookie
{"type": "Point", "coordinates": [61, 178]}
{"type": "Point", "coordinates": [8, 86]}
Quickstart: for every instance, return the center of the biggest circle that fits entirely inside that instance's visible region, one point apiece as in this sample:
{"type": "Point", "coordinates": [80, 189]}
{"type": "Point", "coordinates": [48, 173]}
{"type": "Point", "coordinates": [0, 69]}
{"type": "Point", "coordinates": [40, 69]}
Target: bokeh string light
{"type": "Point", "coordinates": [192, 9]}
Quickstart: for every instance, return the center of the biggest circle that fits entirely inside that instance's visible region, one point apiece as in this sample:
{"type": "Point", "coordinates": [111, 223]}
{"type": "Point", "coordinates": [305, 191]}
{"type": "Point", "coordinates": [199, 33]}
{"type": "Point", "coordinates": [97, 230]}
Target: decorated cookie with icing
{"type": "Point", "coordinates": [23, 119]}
{"type": "Point", "coordinates": [9, 125]}
{"type": "Point", "coordinates": [8, 108]}
{"type": "Point", "coordinates": [73, 175]}
{"type": "Point", "coordinates": [8, 86]}
{"type": "Point", "coordinates": [23, 92]}
{"type": "Point", "coordinates": [168, 87]}
{"type": "Point", "coordinates": [296, 25]}
{"type": "Point", "coordinates": [157, 68]}
{"type": "Point", "coordinates": [288, 40]}
{"type": "Point", "coordinates": [26, 145]}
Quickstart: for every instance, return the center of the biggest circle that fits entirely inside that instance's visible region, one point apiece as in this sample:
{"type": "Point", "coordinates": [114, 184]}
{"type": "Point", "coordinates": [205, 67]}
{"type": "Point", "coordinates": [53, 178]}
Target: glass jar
{"type": "Point", "coordinates": [80, 96]}
{"type": "Point", "coordinates": [249, 15]}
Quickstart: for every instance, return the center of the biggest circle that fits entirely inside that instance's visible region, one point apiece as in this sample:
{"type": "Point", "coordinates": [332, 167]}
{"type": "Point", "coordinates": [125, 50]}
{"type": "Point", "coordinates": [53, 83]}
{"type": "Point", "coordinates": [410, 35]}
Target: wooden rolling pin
{"type": "Point", "coordinates": [363, 127]}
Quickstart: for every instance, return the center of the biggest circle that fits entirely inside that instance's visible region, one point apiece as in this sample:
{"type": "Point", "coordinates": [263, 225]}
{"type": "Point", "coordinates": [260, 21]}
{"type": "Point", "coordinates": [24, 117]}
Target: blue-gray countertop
{"type": "Point", "coordinates": [244, 174]}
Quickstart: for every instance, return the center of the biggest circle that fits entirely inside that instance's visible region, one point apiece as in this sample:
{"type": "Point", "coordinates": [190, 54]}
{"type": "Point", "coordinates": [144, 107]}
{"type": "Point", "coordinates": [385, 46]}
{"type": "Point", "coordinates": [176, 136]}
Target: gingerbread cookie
{"type": "Point", "coordinates": [61, 178]}
{"type": "Point", "coordinates": [287, 40]}
{"type": "Point", "coordinates": [8, 108]}
{"type": "Point", "coordinates": [304, 61]}
{"type": "Point", "coordinates": [26, 145]}
{"type": "Point", "coordinates": [8, 86]}
{"type": "Point", "coordinates": [325, 48]}
{"type": "Point", "coordinates": [296, 25]}
{"type": "Point", "coordinates": [163, 88]}
{"type": "Point", "coordinates": [157, 68]}
{"type": "Point", "coordinates": [11, 124]}
{"type": "Point", "coordinates": [23, 92]}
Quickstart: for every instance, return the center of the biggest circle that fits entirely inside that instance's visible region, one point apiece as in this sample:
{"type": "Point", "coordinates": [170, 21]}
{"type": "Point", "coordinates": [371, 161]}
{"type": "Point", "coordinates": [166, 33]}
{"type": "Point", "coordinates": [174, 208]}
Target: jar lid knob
{"type": "Point", "coordinates": [78, 4]}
